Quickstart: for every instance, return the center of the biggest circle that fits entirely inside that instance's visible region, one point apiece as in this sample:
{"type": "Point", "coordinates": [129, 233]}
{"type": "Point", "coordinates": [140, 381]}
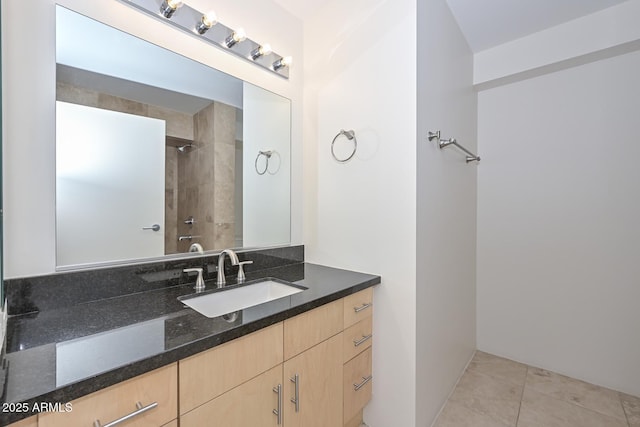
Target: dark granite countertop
{"type": "Point", "coordinates": [58, 355]}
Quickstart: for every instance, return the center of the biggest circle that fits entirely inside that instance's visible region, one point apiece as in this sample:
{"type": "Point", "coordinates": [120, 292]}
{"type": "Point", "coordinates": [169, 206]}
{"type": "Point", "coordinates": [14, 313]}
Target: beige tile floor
{"type": "Point", "coordinates": [497, 392]}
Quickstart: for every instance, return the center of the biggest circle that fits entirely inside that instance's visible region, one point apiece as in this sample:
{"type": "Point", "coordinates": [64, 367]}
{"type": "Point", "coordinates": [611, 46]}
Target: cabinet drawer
{"type": "Point", "coordinates": [159, 386]}
{"type": "Point", "coordinates": [358, 306]}
{"type": "Point", "coordinates": [357, 338]}
{"type": "Point", "coordinates": [28, 422]}
{"type": "Point", "coordinates": [308, 329]}
{"type": "Point", "coordinates": [209, 374]}
{"type": "Point", "coordinates": [357, 384]}
{"type": "Point", "coordinates": [251, 404]}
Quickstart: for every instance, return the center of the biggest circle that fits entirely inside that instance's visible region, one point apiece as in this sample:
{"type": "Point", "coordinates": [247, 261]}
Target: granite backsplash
{"type": "Point", "coordinates": [65, 289]}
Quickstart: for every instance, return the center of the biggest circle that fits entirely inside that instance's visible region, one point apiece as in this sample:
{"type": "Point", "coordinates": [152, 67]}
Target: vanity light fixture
{"type": "Point", "coordinates": [208, 29]}
{"type": "Point", "coordinates": [236, 37]}
{"type": "Point", "coordinates": [282, 62]}
{"type": "Point", "coordinates": [208, 20]}
{"type": "Point", "coordinates": [263, 50]}
{"type": "Point", "coordinates": [168, 7]}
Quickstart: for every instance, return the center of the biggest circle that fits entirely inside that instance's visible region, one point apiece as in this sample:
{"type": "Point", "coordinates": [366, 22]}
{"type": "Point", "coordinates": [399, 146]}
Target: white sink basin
{"type": "Point", "coordinates": [223, 301]}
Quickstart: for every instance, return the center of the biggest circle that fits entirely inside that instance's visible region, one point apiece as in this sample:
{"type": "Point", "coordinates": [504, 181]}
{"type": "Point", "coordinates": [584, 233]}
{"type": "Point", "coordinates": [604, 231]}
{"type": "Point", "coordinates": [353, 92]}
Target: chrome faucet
{"type": "Point", "coordinates": [199, 281]}
{"type": "Point", "coordinates": [220, 282]}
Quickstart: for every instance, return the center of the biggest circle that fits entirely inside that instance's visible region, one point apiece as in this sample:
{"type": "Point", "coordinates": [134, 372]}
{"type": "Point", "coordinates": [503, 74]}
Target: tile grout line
{"type": "Point", "coordinates": [562, 399]}
{"type": "Point", "coordinates": [522, 396]}
{"type": "Point", "coordinates": [496, 379]}
{"type": "Point", "coordinates": [567, 402]}
{"type": "Point", "coordinates": [624, 411]}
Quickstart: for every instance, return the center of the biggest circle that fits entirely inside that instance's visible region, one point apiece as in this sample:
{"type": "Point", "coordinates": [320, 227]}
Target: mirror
{"type": "Point", "coordinates": [1, 211]}
{"type": "Point", "coordinates": [157, 154]}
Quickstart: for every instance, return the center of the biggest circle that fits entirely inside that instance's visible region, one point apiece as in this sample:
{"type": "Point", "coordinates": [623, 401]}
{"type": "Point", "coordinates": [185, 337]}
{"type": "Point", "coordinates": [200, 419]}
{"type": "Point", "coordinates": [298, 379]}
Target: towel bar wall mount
{"type": "Point", "coordinates": [442, 143]}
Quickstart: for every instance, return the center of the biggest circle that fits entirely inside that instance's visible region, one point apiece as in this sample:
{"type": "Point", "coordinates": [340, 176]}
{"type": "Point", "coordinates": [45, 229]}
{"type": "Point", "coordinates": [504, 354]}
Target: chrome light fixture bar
{"type": "Point", "coordinates": [206, 27]}
{"type": "Point", "coordinates": [169, 7]}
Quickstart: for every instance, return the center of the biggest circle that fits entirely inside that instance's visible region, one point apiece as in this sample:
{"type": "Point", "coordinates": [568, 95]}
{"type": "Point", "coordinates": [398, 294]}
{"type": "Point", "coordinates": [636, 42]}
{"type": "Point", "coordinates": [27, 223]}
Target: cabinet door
{"type": "Point", "coordinates": [250, 404]}
{"type": "Point", "coordinates": [308, 329]}
{"type": "Point", "coordinates": [209, 374]}
{"type": "Point", "coordinates": [319, 381]}
{"type": "Point", "coordinates": [159, 387]}
{"type": "Point", "coordinates": [29, 422]}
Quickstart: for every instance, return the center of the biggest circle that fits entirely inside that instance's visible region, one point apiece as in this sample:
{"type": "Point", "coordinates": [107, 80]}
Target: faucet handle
{"type": "Point", "coordinates": [241, 277]}
{"type": "Point", "coordinates": [199, 281]}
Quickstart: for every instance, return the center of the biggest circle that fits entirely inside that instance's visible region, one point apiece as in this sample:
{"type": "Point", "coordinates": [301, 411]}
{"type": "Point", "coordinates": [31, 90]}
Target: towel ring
{"type": "Point", "coordinates": [267, 155]}
{"type": "Point", "coordinates": [351, 135]}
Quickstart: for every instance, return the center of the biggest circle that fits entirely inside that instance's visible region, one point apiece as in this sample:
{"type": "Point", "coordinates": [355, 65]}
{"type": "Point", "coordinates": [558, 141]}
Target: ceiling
{"type": "Point", "coordinates": [489, 23]}
{"type": "Point", "coordinates": [302, 9]}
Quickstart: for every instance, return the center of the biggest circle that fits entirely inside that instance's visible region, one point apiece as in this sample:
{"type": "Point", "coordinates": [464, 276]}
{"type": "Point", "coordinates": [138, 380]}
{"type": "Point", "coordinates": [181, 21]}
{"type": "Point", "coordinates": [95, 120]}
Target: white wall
{"type": "Point", "coordinates": [583, 39]}
{"type": "Point", "coordinates": [360, 70]}
{"type": "Point", "coordinates": [29, 90]}
{"type": "Point", "coordinates": [446, 209]}
{"type": "Point", "coordinates": [558, 209]}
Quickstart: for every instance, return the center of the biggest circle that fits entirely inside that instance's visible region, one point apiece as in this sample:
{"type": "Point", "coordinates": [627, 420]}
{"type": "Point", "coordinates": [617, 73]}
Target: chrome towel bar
{"type": "Point", "coordinates": [442, 143]}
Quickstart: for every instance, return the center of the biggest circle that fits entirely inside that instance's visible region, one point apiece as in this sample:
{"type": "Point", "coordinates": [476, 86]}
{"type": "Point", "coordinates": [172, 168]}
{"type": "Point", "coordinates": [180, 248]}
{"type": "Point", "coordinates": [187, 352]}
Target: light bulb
{"type": "Point", "coordinates": [168, 7]}
{"type": "Point", "coordinates": [237, 36]}
{"type": "Point", "coordinates": [282, 62]}
{"type": "Point", "coordinates": [265, 49]}
{"type": "Point", "coordinates": [208, 20]}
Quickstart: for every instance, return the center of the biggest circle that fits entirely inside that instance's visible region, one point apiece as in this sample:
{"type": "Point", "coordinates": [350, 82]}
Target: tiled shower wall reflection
{"type": "Point", "coordinates": [199, 181]}
{"type": "Point", "coordinates": [206, 179]}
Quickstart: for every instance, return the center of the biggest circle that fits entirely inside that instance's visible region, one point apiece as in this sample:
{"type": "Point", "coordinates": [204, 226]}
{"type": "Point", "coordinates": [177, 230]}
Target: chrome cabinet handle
{"type": "Point", "coordinates": [364, 339]}
{"type": "Point", "coordinates": [362, 307]}
{"type": "Point", "coordinates": [365, 380]}
{"type": "Point", "coordinates": [141, 410]}
{"type": "Point", "coordinates": [278, 412]}
{"type": "Point", "coordinates": [154, 227]}
{"type": "Point", "coordinates": [296, 399]}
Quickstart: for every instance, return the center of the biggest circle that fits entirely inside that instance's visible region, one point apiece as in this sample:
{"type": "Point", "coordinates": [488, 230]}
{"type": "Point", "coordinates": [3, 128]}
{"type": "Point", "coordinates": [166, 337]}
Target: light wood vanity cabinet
{"type": "Point", "coordinates": [307, 381]}
{"type": "Point", "coordinates": [312, 370]}
{"type": "Point", "coordinates": [27, 422]}
{"type": "Point", "coordinates": [308, 329]}
{"type": "Point", "coordinates": [234, 383]}
{"type": "Point", "coordinates": [249, 404]}
{"type": "Point", "coordinates": [358, 340]}
{"type": "Point", "coordinates": [211, 373]}
{"type": "Point", "coordinates": [158, 387]}
{"type": "Point", "coordinates": [313, 386]}
{"type": "Point", "coordinates": [299, 383]}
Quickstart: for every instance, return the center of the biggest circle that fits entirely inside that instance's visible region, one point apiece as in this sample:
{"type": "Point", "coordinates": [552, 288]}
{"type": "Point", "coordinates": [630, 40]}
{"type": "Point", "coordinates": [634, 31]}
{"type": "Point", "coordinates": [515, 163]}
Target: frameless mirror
{"type": "Point", "coordinates": [157, 154]}
{"type": "Point", "coordinates": [1, 211]}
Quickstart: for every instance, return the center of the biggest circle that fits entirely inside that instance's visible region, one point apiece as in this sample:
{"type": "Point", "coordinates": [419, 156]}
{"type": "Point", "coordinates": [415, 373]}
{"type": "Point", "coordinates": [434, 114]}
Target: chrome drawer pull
{"type": "Point", "coordinates": [365, 380]}
{"type": "Point", "coordinates": [362, 307]}
{"type": "Point", "coordinates": [141, 410]}
{"type": "Point", "coordinates": [365, 338]}
{"type": "Point", "coordinates": [278, 412]}
{"type": "Point", "coordinates": [296, 398]}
